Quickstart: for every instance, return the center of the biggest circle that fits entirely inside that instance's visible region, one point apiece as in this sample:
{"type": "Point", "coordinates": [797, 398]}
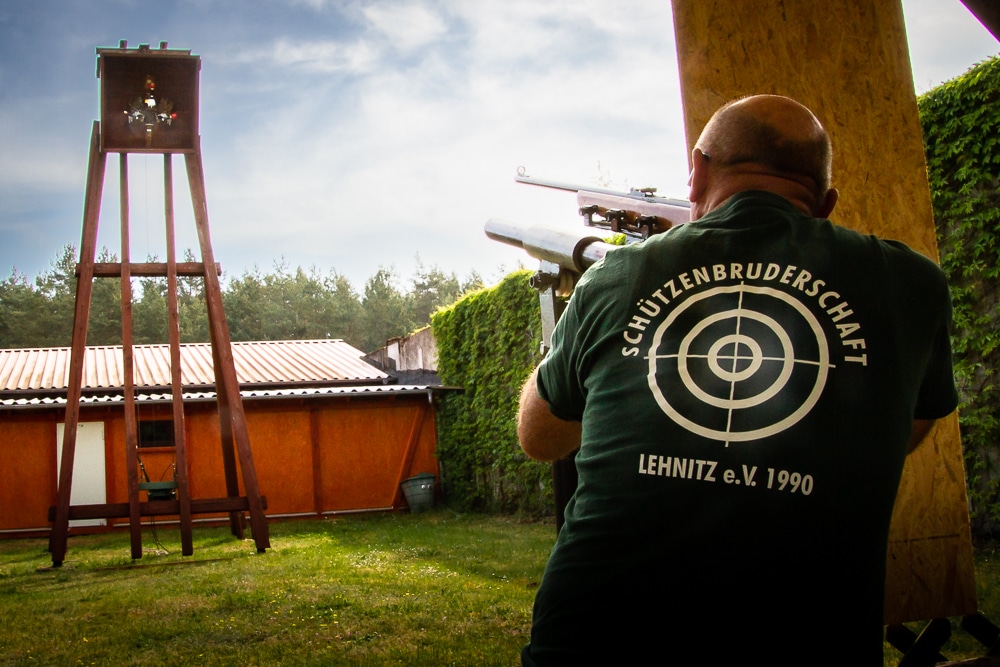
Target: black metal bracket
{"type": "Point", "coordinates": [925, 650]}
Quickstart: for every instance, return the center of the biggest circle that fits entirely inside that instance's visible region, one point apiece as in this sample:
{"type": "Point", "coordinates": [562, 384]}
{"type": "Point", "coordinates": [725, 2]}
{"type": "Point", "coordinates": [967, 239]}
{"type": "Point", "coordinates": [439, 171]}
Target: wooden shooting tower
{"type": "Point", "coordinates": [149, 104]}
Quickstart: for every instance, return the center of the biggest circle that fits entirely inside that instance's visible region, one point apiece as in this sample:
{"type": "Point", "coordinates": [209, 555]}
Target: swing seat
{"type": "Point", "coordinates": [159, 490]}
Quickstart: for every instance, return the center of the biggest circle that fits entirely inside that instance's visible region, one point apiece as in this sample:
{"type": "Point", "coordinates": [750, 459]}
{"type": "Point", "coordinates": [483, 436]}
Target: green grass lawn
{"type": "Point", "coordinates": [387, 589]}
{"type": "Point", "coordinates": [435, 588]}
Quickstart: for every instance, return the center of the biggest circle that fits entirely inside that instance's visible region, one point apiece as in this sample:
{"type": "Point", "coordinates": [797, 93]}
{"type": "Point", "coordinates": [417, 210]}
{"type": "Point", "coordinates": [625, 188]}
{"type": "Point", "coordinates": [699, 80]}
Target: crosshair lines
{"type": "Point", "coordinates": [738, 363]}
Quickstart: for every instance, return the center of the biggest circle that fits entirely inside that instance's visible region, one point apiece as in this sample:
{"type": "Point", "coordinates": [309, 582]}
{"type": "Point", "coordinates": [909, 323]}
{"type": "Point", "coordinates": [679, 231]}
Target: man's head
{"type": "Point", "coordinates": [763, 142]}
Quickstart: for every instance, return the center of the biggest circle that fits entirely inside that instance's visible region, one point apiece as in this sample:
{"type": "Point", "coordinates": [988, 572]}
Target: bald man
{"type": "Point", "coordinates": [743, 390]}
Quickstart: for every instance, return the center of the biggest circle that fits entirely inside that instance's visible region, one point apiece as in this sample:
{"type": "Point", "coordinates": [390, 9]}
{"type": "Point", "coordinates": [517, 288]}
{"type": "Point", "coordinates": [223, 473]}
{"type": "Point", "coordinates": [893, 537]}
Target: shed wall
{"type": "Point", "coordinates": [311, 456]}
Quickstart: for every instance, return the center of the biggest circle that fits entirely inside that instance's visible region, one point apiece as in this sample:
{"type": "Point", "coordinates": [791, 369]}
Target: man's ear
{"type": "Point", "coordinates": [829, 201]}
{"type": "Point", "coordinates": [698, 181]}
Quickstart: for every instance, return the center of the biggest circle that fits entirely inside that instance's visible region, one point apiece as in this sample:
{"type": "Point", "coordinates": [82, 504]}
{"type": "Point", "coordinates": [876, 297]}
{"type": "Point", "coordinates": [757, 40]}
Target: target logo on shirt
{"type": "Point", "coordinates": [738, 363]}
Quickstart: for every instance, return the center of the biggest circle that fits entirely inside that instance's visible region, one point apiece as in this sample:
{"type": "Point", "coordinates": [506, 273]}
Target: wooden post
{"type": "Point", "coordinates": [84, 289]}
{"type": "Point", "coordinates": [237, 522]}
{"type": "Point", "coordinates": [225, 370]}
{"type": "Point", "coordinates": [128, 367]}
{"type": "Point", "coordinates": [176, 388]}
{"type": "Point", "coordinates": [408, 453]}
{"type": "Point", "coordinates": [848, 61]}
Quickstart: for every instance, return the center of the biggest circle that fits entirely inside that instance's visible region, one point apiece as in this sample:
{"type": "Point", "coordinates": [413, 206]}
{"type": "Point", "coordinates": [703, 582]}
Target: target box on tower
{"type": "Point", "coordinates": [149, 99]}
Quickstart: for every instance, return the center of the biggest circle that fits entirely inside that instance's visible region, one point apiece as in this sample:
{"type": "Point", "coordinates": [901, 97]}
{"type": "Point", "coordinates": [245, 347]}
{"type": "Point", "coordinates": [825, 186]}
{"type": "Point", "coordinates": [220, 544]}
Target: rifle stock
{"type": "Point", "coordinates": [638, 213]}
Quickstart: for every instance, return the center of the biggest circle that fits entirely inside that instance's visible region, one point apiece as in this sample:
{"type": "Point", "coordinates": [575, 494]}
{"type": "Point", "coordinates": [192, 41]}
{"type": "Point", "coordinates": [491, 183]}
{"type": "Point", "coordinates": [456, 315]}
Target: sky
{"type": "Point", "coordinates": [354, 135]}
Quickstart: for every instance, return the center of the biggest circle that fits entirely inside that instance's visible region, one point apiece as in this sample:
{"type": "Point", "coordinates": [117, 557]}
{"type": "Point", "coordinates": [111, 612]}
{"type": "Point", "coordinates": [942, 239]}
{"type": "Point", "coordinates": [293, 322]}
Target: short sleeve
{"type": "Point", "coordinates": [938, 396]}
{"type": "Point", "coordinates": [559, 383]}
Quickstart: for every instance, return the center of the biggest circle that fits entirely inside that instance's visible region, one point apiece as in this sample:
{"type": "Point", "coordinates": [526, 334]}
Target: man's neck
{"type": "Point", "coordinates": [797, 194]}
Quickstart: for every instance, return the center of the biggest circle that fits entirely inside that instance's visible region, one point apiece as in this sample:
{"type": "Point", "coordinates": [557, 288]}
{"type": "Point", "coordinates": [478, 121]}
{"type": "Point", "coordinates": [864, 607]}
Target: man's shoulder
{"type": "Point", "coordinates": [896, 255]}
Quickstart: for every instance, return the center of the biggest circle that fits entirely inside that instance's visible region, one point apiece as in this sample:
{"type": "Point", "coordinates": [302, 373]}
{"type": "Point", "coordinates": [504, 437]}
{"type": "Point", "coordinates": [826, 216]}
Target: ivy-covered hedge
{"type": "Point", "coordinates": [488, 343]}
{"type": "Point", "coordinates": [961, 127]}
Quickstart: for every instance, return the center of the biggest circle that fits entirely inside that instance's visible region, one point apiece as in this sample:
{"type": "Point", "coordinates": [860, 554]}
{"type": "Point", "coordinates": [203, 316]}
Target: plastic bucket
{"type": "Point", "coordinates": [419, 492]}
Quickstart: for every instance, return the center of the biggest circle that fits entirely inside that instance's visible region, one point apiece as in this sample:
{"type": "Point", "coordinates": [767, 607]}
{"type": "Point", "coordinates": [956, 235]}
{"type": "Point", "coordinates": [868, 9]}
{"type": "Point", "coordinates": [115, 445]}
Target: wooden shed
{"type": "Point", "coordinates": [330, 433]}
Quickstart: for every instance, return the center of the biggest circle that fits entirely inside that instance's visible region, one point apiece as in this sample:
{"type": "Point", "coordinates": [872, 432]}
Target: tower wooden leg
{"type": "Point", "coordinates": [225, 369]}
{"type": "Point", "coordinates": [84, 289]}
{"type": "Point", "coordinates": [128, 369]}
{"type": "Point", "coordinates": [237, 522]}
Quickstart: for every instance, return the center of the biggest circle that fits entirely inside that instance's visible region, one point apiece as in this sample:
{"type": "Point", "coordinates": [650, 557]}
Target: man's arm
{"type": "Point", "coordinates": [543, 436]}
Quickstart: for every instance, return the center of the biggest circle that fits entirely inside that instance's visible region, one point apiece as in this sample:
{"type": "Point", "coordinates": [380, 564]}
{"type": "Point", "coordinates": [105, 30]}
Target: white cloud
{"type": "Point", "coordinates": [406, 25]}
{"type": "Point", "coordinates": [317, 56]}
{"type": "Point", "coordinates": [420, 157]}
{"type": "Point", "coordinates": [357, 134]}
{"type": "Point", "coordinates": [325, 56]}
{"type": "Point", "coordinates": [941, 34]}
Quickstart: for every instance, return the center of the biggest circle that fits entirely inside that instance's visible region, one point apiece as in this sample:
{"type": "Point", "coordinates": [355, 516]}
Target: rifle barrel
{"type": "Point", "coordinates": [572, 251]}
{"type": "Point", "coordinates": [570, 187]}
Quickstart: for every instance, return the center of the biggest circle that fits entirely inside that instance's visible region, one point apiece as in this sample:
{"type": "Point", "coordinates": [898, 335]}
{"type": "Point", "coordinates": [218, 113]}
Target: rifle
{"type": "Point", "coordinates": [564, 256]}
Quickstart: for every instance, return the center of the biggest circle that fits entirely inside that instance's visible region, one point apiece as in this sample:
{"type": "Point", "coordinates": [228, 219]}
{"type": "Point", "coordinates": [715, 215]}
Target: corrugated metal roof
{"type": "Point", "coordinates": [288, 362]}
{"type": "Point", "coordinates": [246, 394]}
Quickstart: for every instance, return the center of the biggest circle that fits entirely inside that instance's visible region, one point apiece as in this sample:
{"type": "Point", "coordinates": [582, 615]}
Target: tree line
{"type": "Point", "coordinates": [280, 304]}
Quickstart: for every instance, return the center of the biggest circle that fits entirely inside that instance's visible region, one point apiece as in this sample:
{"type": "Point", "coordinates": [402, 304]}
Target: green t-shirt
{"type": "Point", "coordinates": [747, 385]}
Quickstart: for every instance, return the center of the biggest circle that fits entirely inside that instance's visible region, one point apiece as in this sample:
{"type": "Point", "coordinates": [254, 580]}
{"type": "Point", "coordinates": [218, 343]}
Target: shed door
{"type": "Point", "coordinates": [89, 478]}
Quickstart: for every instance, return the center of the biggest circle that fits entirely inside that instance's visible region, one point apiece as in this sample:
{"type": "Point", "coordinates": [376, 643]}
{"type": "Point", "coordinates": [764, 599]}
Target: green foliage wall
{"type": "Point", "coordinates": [488, 343]}
{"type": "Point", "coordinates": [961, 127]}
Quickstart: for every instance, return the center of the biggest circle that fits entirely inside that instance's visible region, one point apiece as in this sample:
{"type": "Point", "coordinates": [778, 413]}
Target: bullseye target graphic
{"type": "Point", "coordinates": [738, 363]}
